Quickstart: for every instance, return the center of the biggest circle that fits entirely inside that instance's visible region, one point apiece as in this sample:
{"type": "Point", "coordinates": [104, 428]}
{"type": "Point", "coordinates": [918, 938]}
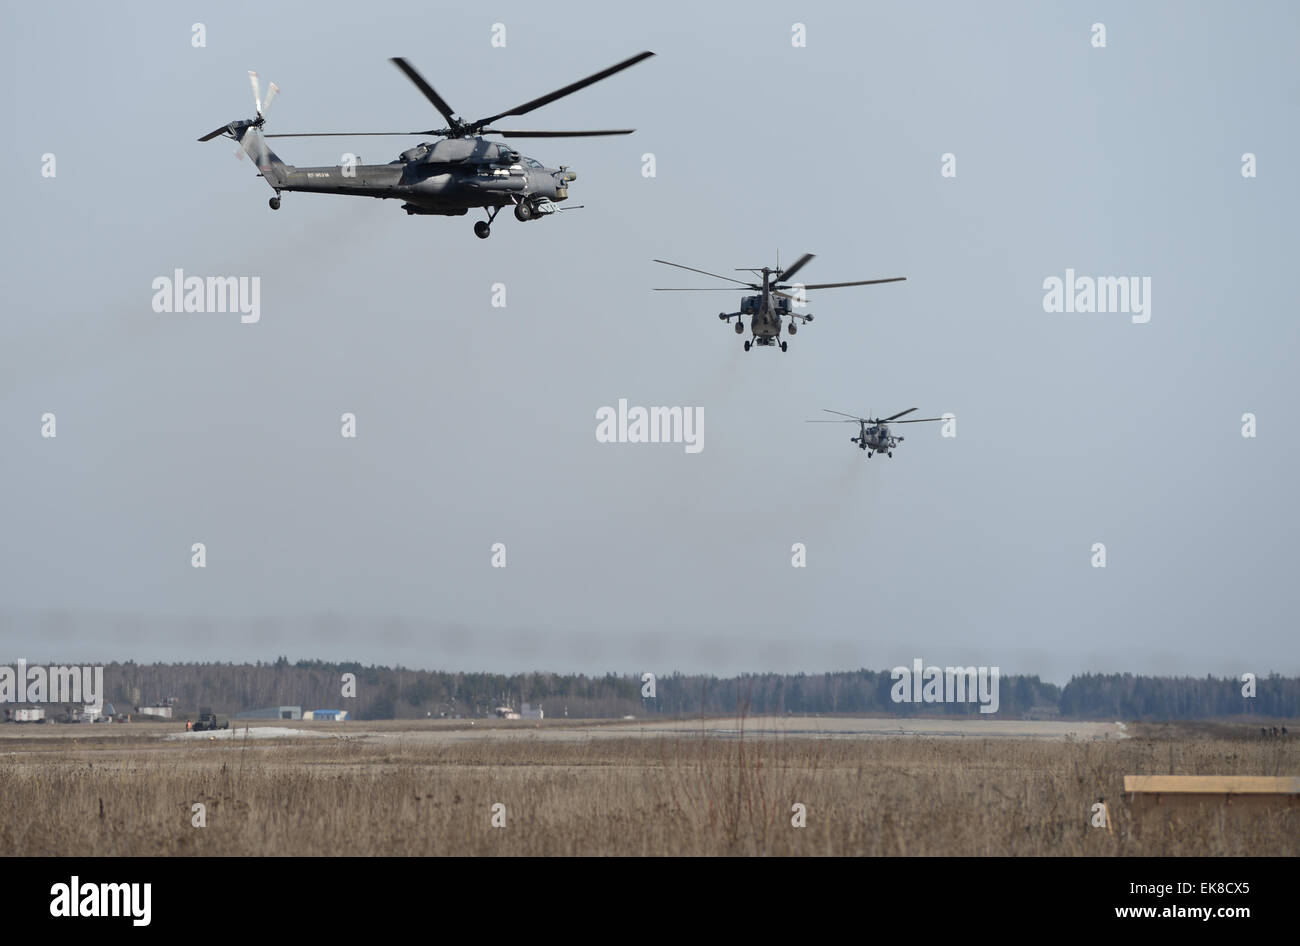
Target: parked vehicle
{"type": "Point", "coordinates": [209, 720]}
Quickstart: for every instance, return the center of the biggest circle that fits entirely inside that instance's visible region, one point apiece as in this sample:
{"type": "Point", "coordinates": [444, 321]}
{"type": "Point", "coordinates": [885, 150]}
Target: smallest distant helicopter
{"type": "Point", "coordinates": [875, 438]}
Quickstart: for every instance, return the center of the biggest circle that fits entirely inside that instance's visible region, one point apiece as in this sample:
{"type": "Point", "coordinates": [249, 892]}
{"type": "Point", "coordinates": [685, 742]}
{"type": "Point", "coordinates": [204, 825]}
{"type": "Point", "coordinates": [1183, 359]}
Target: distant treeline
{"type": "Point", "coordinates": [1125, 696]}
{"type": "Point", "coordinates": [388, 693]}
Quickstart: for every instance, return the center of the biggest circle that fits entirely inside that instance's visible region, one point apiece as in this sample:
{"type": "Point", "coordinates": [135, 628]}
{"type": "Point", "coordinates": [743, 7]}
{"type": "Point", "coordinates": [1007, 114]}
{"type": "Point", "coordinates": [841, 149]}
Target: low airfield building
{"type": "Point", "coordinates": [525, 711]}
{"type": "Point", "coordinates": [336, 715]}
{"type": "Point", "coordinates": [25, 714]}
{"type": "Point", "coordinates": [272, 712]}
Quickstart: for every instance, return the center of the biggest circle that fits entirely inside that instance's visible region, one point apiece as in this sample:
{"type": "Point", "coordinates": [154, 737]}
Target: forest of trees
{"type": "Point", "coordinates": [387, 693]}
{"type": "Point", "coordinates": [1125, 696]}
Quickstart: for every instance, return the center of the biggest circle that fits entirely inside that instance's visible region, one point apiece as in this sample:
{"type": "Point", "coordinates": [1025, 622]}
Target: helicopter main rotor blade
{"type": "Point", "coordinates": [556, 134]}
{"type": "Point", "coordinates": [438, 101]}
{"type": "Point", "coordinates": [439, 131]}
{"type": "Point", "coordinates": [561, 93]}
{"type": "Point", "coordinates": [919, 420]}
{"type": "Point", "coordinates": [352, 134]}
{"type": "Point", "coordinates": [901, 413]}
{"type": "Point", "coordinates": [860, 282]}
{"type": "Point", "coordinates": [842, 414]}
{"type": "Point", "coordinates": [799, 264]}
{"type": "Point", "coordinates": [702, 272]}
{"type": "Point", "coordinates": [701, 289]}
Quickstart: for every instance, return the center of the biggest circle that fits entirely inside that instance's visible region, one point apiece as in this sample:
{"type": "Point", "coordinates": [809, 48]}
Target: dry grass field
{"type": "Point", "coordinates": [390, 792]}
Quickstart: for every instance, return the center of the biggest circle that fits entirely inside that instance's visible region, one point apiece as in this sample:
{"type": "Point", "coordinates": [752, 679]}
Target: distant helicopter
{"type": "Point", "coordinates": [445, 178]}
{"type": "Point", "coordinates": [773, 303]}
{"type": "Point", "coordinates": [876, 438]}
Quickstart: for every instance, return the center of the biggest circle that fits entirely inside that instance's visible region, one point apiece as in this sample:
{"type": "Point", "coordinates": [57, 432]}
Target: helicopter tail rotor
{"type": "Point", "coordinates": [262, 107]}
{"type": "Point", "coordinates": [270, 97]}
{"type": "Point", "coordinates": [257, 92]}
{"type": "Point", "coordinates": [234, 129]}
{"type": "Point", "coordinates": [247, 134]}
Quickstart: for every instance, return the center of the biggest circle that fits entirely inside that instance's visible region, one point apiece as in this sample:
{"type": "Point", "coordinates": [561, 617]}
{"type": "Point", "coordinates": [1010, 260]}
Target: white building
{"type": "Point", "coordinates": [331, 714]}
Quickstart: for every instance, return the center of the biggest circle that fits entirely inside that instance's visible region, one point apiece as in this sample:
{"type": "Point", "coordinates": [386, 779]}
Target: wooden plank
{"type": "Point", "coordinates": [1212, 784]}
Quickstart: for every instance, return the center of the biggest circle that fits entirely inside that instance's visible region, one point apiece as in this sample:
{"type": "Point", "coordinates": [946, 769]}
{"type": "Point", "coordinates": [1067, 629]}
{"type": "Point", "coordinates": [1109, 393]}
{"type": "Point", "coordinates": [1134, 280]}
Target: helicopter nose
{"type": "Point", "coordinates": [563, 177]}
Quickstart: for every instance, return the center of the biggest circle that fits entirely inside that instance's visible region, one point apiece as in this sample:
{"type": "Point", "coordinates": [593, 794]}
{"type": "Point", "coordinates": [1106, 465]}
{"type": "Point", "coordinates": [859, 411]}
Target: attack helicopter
{"type": "Point", "coordinates": [445, 178]}
{"type": "Point", "coordinates": [876, 438]}
{"type": "Point", "coordinates": [773, 303]}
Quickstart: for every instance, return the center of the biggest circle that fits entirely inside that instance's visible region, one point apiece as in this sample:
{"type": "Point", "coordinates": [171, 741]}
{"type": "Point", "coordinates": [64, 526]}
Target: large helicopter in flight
{"type": "Point", "coordinates": [447, 177]}
{"type": "Point", "coordinates": [876, 438]}
{"type": "Point", "coordinates": [773, 303]}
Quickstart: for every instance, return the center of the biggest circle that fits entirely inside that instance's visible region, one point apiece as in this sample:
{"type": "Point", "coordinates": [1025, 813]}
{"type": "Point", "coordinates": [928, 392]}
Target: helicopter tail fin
{"type": "Point", "coordinates": [268, 162]}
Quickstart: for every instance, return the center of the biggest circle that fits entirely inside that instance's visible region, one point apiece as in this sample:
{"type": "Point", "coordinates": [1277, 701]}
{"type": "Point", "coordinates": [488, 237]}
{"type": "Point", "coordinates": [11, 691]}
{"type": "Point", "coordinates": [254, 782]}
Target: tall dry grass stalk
{"type": "Point", "coordinates": [404, 795]}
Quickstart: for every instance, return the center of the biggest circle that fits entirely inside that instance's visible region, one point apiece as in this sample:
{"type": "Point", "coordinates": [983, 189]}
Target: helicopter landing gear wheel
{"type": "Point", "coordinates": [793, 329]}
{"type": "Point", "coordinates": [868, 454]}
{"type": "Point", "coordinates": [483, 229]}
{"type": "Point", "coordinates": [890, 454]}
{"type": "Point", "coordinates": [523, 211]}
{"type": "Point", "coordinates": [740, 328]}
{"type": "Point", "coordinates": [274, 202]}
{"type": "Point", "coordinates": [746, 344]}
{"type": "Point", "coordinates": [784, 346]}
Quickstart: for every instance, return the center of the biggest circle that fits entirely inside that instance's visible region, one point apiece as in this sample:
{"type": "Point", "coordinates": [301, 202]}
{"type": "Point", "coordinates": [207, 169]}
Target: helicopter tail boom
{"type": "Point", "coordinates": [268, 162]}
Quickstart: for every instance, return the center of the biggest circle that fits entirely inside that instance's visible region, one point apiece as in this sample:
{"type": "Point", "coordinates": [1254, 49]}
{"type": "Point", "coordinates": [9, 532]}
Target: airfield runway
{"type": "Point", "coordinates": [461, 731]}
{"type": "Point", "coordinates": [443, 732]}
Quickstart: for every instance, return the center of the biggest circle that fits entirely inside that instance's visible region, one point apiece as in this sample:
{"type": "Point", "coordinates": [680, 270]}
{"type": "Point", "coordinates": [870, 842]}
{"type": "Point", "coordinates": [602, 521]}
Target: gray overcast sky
{"type": "Point", "coordinates": [476, 424]}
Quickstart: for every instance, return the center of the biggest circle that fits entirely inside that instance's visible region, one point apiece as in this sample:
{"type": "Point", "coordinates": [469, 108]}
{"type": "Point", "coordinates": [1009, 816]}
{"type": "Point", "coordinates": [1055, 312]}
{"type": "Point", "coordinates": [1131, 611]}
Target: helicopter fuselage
{"type": "Point", "coordinates": [876, 439]}
{"type": "Point", "coordinates": [445, 178]}
{"type": "Point", "coordinates": [765, 312]}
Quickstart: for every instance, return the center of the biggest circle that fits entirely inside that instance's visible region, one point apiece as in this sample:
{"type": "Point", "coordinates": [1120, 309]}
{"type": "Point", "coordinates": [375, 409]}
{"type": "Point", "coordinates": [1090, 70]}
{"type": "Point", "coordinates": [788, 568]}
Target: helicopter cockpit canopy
{"type": "Point", "coordinates": [508, 156]}
{"type": "Point", "coordinates": [449, 151]}
{"type": "Point", "coordinates": [418, 153]}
